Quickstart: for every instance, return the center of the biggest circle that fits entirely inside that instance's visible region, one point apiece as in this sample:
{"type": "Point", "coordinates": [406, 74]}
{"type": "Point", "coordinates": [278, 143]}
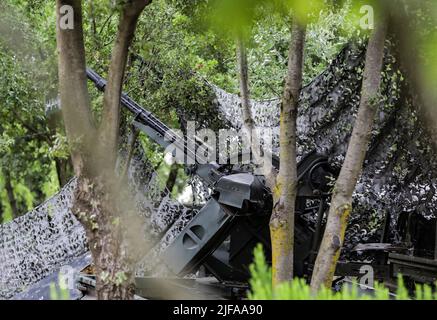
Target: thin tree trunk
{"type": "Point", "coordinates": [246, 112]}
{"type": "Point", "coordinates": [171, 180]}
{"type": "Point", "coordinates": [284, 193]}
{"type": "Point", "coordinates": [63, 166]}
{"type": "Point", "coordinates": [244, 85]}
{"type": "Point", "coordinates": [341, 203]}
{"type": "Point", "coordinates": [59, 172]}
{"type": "Point", "coordinates": [1, 213]}
{"type": "Point", "coordinates": [63, 170]}
{"type": "Point", "coordinates": [10, 192]}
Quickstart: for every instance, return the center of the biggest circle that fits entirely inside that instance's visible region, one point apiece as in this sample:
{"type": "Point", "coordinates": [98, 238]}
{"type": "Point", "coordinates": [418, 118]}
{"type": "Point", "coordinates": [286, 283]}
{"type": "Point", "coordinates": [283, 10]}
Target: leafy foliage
{"type": "Point", "coordinates": [298, 289]}
{"type": "Point", "coordinates": [25, 137]}
{"type": "Point", "coordinates": [177, 46]}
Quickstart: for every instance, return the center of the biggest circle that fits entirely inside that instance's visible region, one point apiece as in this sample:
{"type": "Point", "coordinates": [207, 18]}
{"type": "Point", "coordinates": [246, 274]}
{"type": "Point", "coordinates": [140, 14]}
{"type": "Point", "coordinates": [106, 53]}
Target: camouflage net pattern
{"type": "Point", "coordinates": [399, 173]}
{"type": "Point", "coordinates": [41, 241]}
{"type": "Point", "coordinates": [35, 244]}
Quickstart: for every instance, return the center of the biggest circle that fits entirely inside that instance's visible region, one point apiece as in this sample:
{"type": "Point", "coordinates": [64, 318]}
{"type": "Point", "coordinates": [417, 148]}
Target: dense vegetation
{"type": "Point", "coordinates": [163, 52]}
{"type": "Point", "coordinates": [180, 41]}
{"type": "Point", "coordinates": [298, 289]}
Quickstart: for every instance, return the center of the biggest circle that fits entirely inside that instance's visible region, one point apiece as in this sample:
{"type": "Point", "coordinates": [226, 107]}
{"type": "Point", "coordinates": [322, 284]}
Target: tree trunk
{"type": "Point", "coordinates": [1, 213]}
{"type": "Point", "coordinates": [98, 210]}
{"type": "Point", "coordinates": [63, 170]}
{"type": "Point", "coordinates": [246, 112]}
{"type": "Point", "coordinates": [284, 193]}
{"type": "Point", "coordinates": [171, 180]}
{"type": "Point", "coordinates": [10, 192]}
{"type": "Point", "coordinates": [100, 202]}
{"type": "Point", "coordinates": [63, 166]}
{"type": "Point", "coordinates": [341, 203]}
{"type": "Point", "coordinates": [74, 96]}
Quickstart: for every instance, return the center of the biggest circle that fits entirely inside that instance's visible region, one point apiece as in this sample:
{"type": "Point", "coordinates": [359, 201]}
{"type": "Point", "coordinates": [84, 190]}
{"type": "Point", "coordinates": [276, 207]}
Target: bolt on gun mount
{"type": "Point", "coordinates": [234, 195]}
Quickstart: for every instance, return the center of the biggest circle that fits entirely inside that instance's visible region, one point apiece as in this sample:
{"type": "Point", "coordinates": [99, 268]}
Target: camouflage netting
{"type": "Point", "coordinates": [38, 243]}
{"type": "Point", "coordinates": [35, 244]}
{"type": "Point", "coordinates": [399, 173]}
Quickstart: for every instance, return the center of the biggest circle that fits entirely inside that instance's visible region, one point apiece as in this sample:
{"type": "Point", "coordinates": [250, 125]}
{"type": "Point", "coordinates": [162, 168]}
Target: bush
{"type": "Point", "coordinates": [298, 289]}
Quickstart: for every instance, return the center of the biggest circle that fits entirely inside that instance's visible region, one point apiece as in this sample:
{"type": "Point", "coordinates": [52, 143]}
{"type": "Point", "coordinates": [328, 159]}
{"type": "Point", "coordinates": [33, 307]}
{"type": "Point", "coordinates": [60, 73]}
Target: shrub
{"type": "Point", "coordinates": [298, 289]}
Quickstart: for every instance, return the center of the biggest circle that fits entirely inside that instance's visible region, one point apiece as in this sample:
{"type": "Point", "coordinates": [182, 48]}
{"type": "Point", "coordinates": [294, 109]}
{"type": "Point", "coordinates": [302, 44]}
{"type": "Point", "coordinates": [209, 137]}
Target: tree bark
{"type": "Point", "coordinates": [284, 193]}
{"type": "Point", "coordinates": [10, 192]}
{"type": "Point", "coordinates": [341, 203]}
{"type": "Point", "coordinates": [98, 208]}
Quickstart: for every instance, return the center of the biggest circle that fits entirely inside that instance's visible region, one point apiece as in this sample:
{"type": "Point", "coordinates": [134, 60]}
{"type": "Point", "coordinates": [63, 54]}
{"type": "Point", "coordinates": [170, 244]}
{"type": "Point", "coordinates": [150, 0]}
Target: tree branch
{"type": "Point", "coordinates": [109, 127]}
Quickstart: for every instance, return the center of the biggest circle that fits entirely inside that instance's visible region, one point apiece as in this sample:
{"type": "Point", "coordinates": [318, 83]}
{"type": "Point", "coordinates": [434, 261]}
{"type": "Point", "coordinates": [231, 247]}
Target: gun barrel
{"type": "Point", "coordinates": [142, 115]}
{"type": "Point", "coordinates": [162, 134]}
{"type": "Point", "coordinates": [96, 78]}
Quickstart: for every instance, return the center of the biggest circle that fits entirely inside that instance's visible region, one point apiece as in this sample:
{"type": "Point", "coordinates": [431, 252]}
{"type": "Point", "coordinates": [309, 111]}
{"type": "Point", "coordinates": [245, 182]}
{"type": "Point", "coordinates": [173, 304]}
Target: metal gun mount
{"type": "Point", "coordinates": [223, 234]}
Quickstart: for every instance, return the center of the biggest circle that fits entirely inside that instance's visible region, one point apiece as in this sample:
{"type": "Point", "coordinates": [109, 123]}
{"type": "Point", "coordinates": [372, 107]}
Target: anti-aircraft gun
{"type": "Point", "coordinates": [223, 234]}
{"type": "Point", "coordinates": [217, 244]}
{"type": "Point", "coordinates": [239, 209]}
